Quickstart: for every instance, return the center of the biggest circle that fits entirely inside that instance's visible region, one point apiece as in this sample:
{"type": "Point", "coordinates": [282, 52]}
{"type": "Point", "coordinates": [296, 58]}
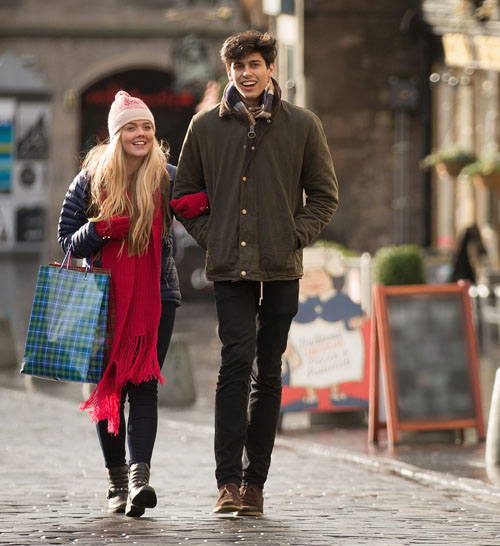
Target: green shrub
{"type": "Point", "coordinates": [399, 265]}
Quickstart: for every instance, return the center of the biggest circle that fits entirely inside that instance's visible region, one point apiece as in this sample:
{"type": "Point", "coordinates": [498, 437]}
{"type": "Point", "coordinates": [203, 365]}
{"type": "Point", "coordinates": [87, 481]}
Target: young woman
{"type": "Point", "coordinates": [116, 215]}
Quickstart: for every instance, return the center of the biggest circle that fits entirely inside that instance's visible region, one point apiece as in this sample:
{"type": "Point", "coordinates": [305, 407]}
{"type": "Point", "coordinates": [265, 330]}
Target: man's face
{"type": "Point", "coordinates": [250, 76]}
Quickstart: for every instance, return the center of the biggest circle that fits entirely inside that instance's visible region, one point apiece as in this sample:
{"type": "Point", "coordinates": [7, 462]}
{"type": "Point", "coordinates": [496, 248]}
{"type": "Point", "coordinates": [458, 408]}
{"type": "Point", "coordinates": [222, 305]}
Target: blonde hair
{"type": "Point", "coordinates": [112, 194]}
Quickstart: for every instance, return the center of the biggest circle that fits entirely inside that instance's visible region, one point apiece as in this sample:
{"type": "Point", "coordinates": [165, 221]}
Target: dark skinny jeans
{"type": "Point", "coordinates": [143, 409]}
{"type": "Point", "coordinates": [248, 395]}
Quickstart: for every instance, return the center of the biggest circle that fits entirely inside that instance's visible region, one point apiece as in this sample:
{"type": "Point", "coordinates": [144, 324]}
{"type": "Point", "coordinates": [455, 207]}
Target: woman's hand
{"type": "Point", "coordinates": [191, 205]}
{"type": "Point", "coordinates": [115, 227]}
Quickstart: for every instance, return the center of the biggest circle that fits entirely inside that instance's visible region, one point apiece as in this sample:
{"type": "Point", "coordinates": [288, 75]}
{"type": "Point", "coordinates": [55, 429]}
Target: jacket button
{"type": "Point", "coordinates": [244, 211]}
{"type": "Point", "coordinates": [243, 243]}
{"type": "Point", "coordinates": [252, 148]}
{"type": "Point", "coordinates": [243, 273]}
{"type": "Point", "coordinates": [268, 121]}
{"type": "Point", "coordinates": [244, 179]}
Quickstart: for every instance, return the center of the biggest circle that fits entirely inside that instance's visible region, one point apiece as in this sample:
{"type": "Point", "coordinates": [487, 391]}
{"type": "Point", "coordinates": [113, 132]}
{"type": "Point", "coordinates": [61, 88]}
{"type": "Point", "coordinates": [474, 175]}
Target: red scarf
{"type": "Point", "coordinates": [135, 281]}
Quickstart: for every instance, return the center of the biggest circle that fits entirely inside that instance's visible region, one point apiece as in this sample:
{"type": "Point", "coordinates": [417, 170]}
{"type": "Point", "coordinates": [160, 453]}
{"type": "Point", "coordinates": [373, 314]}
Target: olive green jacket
{"type": "Point", "coordinates": [258, 221]}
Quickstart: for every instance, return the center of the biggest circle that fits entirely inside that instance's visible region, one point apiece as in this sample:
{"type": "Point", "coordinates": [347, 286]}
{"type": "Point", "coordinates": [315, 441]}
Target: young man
{"type": "Point", "coordinates": [252, 158]}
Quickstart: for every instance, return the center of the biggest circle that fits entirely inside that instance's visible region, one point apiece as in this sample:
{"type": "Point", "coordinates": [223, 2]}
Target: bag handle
{"type": "Point", "coordinates": [67, 258]}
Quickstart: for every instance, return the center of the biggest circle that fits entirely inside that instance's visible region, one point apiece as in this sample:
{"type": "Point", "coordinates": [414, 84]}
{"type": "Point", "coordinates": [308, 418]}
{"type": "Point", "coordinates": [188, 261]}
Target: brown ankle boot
{"type": "Point", "coordinates": [118, 489]}
{"type": "Point", "coordinates": [229, 499]}
{"type": "Point", "coordinates": [252, 501]}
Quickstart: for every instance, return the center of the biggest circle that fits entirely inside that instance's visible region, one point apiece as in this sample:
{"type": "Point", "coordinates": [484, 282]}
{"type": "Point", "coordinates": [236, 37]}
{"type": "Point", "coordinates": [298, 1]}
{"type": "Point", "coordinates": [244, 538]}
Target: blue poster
{"type": "Point", "coordinates": [6, 155]}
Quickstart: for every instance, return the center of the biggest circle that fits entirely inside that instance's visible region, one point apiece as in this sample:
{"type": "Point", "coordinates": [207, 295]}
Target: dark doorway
{"type": "Point", "coordinates": [171, 107]}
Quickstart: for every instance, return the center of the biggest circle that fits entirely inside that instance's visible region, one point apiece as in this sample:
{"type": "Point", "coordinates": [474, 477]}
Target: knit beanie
{"type": "Point", "coordinates": [126, 109]}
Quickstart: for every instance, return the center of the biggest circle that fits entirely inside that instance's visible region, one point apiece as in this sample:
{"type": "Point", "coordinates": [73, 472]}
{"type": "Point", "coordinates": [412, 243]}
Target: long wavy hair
{"type": "Point", "coordinates": [112, 194]}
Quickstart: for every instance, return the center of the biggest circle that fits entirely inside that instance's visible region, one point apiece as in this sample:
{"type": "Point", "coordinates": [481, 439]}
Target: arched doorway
{"type": "Point", "coordinates": [171, 107]}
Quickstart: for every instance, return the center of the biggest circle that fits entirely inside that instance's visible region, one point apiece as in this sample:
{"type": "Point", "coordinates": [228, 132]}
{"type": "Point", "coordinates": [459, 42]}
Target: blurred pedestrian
{"type": "Point", "coordinates": [250, 159]}
{"type": "Point", "coordinates": [469, 258]}
{"type": "Point", "coordinates": [116, 215]}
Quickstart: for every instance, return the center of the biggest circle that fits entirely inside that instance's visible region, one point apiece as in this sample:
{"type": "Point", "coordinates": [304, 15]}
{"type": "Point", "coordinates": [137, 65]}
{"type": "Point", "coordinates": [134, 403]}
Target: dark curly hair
{"type": "Point", "coordinates": [241, 44]}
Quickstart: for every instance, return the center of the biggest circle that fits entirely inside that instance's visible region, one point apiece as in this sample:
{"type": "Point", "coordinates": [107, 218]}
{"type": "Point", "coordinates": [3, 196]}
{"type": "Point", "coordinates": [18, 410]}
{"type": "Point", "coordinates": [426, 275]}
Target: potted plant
{"type": "Point", "coordinates": [396, 265]}
{"type": "Point", "coordinates": [485, 172]}
{"type": "Point", "coordinates": [449, 161]}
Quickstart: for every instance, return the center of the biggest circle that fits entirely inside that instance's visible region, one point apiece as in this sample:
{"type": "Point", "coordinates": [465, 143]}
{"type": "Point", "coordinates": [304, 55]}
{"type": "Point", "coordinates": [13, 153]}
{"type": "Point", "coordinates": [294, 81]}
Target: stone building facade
{"type": "Point", "coordinates": [360, 60]}
{"type": "Point", "coordinates": [359, 56]}
{"type": "Point", "coordinates": [465, 90]}
{"type": "Point", "coordinates": [85, 51]}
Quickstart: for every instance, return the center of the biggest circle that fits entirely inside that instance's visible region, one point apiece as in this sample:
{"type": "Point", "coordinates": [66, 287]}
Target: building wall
{"type": "Point", "coordinates": [352, 48]}
{"type": "Point", "coordinates": [73, 44]}
{"type": "Point", "coordinates": [465, 115]}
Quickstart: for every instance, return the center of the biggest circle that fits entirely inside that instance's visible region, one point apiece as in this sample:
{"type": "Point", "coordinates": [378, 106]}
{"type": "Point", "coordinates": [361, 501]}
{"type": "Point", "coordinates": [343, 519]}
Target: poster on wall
{"type": "Point", "coordinates": [6, 221]}
{"type": "Point", "coordinates": [32, 121]}
{"type": "Point", "coordinates": [325, 365]}
{"type": "Point", "coordinates": [7, 114]}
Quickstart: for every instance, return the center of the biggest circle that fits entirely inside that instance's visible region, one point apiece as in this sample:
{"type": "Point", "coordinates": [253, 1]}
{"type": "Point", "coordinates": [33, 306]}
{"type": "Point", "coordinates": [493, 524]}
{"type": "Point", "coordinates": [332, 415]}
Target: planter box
{"type": "Point", "coordinates": [488, 181]}
{"type": "Point", "coordinates": [451, 167]}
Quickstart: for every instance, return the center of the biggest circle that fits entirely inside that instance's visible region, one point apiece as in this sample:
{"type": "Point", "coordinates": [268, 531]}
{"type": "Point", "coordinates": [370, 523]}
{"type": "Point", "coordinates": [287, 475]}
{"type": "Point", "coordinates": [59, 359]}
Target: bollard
{"type": "Point", "coordinates": [8, 357]}
{"type": "Point", "coordinates": [177, 370]}
{"type": "Point", "coordinates": [492, 450]}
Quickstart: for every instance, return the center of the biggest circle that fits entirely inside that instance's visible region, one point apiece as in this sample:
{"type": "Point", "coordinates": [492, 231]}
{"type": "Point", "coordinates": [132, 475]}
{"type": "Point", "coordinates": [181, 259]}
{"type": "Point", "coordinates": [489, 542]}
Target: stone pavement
{"type": "Point", "coordinates": [54, 485]}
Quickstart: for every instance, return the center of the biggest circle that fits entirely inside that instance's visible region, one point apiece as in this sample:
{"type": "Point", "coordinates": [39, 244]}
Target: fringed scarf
{"type": "Point", "coordinates": [233, 99]}
{"type": "Point", "coordinates": [135, 281]}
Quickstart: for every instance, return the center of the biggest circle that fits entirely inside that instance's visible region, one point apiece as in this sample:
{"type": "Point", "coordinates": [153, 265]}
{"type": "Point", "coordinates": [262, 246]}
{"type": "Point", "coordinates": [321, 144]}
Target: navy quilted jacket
{"type": "Point", "coordinates": [74, 228]}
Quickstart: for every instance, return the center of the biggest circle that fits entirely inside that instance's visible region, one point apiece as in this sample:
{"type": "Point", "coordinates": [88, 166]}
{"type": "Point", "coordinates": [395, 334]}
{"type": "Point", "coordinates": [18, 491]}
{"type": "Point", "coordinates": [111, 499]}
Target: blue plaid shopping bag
{"type": "Point", "coordinates": [69, 333]}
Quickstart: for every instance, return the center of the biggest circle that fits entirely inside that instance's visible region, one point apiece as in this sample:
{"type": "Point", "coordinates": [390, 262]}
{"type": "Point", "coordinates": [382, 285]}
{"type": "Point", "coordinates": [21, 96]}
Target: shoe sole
{"type": "Point", "coordinates": [249, 513]}
{"type": "Point", "coordinates": [226, 509]}
{"type": "Point", "coordinates": [145, 499]}
{"type": "Point", "coordinates": [137, 506]}
{"type": "Point", "coordinates": [133, 511]}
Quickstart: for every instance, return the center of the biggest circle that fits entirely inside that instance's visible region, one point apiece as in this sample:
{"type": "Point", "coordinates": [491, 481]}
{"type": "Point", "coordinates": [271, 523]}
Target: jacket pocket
{"type": "Point", "coordinates": [221, 252]}
{"type": "Point", "coordinates": [279, 248]}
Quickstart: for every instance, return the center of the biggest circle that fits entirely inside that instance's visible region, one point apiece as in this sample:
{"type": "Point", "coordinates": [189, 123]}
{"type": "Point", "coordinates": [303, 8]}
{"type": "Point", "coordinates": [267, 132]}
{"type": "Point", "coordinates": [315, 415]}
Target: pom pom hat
{"type": "Point", "coordinates": [126, 109]}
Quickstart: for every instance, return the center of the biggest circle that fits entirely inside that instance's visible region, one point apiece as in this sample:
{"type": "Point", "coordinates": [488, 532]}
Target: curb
{"type": "Point", "coordinates": [375, 463]}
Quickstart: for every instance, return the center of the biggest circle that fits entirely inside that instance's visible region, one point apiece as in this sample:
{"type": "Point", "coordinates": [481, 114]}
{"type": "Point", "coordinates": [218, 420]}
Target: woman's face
{"type": "Point", "coordinates": [137, 139]}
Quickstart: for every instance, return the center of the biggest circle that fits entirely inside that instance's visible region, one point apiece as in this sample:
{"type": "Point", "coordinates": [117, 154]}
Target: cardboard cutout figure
{"type": "Point", "coordinates": [326, 353]}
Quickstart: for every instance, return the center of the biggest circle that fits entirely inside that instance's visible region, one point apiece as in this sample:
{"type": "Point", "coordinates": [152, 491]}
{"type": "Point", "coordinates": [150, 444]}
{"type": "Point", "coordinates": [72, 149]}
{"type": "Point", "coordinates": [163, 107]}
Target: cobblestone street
{"type": "Point", "coordinates": [54, 490]}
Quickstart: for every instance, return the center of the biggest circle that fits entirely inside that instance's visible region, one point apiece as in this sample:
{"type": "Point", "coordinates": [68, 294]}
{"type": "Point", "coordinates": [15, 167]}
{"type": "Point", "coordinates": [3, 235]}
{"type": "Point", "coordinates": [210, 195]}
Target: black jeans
{"type": "Point", "coordinates": [143, 409]}
{"type": "Point", "coordinates": [248, 395]}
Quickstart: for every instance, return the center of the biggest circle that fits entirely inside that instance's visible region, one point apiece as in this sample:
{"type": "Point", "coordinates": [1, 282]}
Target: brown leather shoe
{"type": "Point", "coordinates": [252, 500]}
{"type": "Point", "coordinates": [229, 499]}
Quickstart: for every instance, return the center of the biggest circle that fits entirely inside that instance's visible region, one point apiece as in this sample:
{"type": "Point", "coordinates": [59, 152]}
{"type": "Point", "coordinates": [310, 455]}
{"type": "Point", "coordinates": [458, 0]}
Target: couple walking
{"type": "Point", "coordinates": [255, 184]}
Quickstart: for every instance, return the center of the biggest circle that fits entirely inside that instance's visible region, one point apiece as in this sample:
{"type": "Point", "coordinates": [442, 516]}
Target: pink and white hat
{"type": "Point", "coordinates": [126, 109]}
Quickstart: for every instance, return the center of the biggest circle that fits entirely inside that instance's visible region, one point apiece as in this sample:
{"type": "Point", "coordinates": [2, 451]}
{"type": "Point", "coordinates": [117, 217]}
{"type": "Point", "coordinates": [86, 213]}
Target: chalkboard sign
{"type": "Point", "coordinates": [423, 337]}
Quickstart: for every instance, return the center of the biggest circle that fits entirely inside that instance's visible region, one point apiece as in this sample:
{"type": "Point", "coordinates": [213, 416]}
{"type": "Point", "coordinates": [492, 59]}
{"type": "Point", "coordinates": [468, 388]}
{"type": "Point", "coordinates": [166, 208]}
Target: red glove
{"type": "Point", "coordinates": [191, 205]}
{"type": "Point", "coordinates": [115, 227]}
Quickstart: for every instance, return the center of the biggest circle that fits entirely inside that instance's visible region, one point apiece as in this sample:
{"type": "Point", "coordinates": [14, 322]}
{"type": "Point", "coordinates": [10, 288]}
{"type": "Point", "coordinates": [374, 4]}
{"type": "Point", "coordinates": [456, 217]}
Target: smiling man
{"type": "Point", "coordinates": [252, 158]}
